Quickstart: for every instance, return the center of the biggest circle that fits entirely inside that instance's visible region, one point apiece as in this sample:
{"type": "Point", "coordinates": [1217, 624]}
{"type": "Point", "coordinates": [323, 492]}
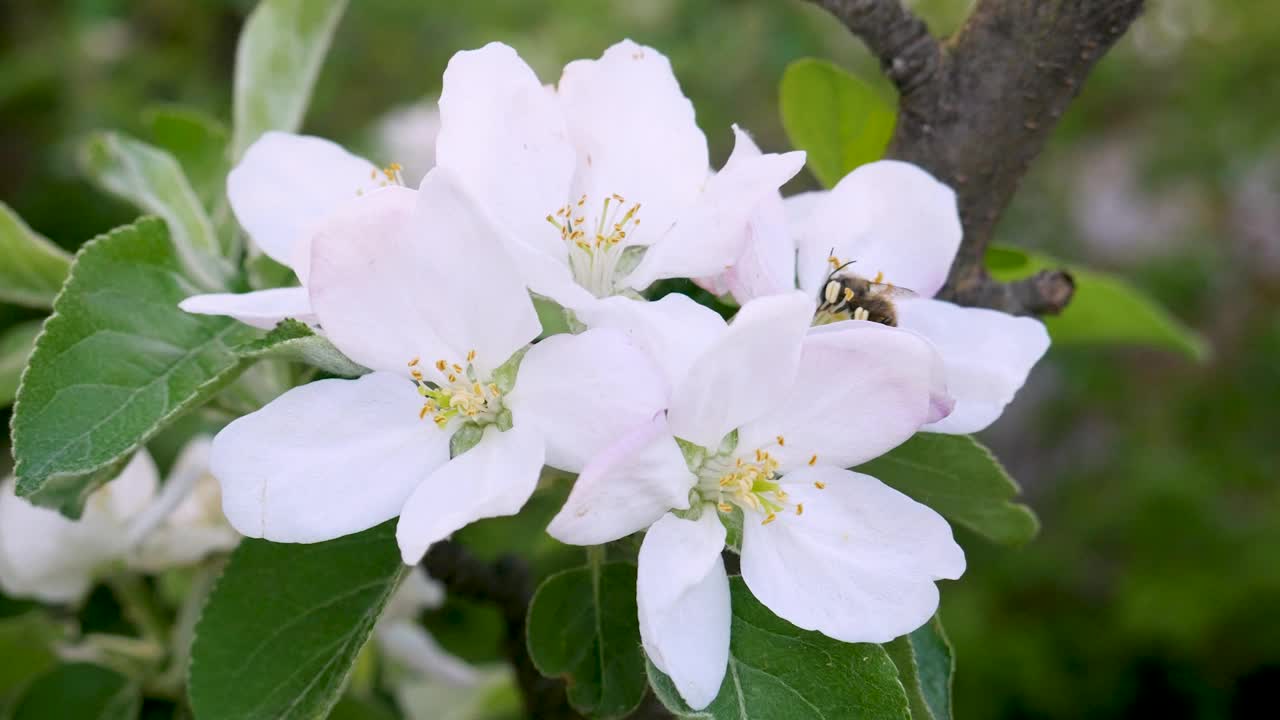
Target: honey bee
{"type": "Point", "coordinates": [846, 296]}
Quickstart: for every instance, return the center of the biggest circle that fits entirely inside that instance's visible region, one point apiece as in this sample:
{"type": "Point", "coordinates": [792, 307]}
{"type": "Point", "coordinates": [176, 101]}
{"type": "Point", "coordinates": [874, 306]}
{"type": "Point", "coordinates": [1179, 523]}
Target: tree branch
{"type": "Point", "coordinates": [976, 112]}
{"type": "Point", "coordinates": [908, 53]}
{"type": "Point", "coordinates": [507, 585]}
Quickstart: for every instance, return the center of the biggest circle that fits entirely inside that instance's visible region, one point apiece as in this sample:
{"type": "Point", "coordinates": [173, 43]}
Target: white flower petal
{"type": "Point", "coordinates": [767, 264]}
{"type": "Point", "coordinates": [862, 389]}
{"type": "Point", "coordinates": [635, 134]}
{"type": "Point", "coordinates": [472, 291]}
{"type": "Point", "coordinates": [625, 488]}
{"type": "Point", "coordinates": [368, 268]}
{"type": "Point", "coordinates": [987, 355]}
{"type": "Point", "coordinates": [48, 557]}
{"type": "Point", "coordinates": [184, 523]}
{"type": "Point", "coordinates": [406, 642]}
{"type": "Point", "coordinates": [326, 459]}
{"type": "Point", "coordinates": [708, 237]}
{"type": "Point", "coordinates": [859, 565]}
{"type": "Point", "coordinates": [503, 136]}
{"type": "Point", "coordinates": [682, 593]}
{"type": "Point", "coordinates": [584, 392]}
{"type": "Point", "coordinates": [745, 373]}
{"type": "Point", "coordinates": [889, 217]}
{"type": "Point", "coordinates": [492, 479]}
{"type": "Point", "coordinates": [261, 309]}
{"type": "Point", "coordinates": [674, 330]}
{"type": "Point", "coordinates": [286, 183]}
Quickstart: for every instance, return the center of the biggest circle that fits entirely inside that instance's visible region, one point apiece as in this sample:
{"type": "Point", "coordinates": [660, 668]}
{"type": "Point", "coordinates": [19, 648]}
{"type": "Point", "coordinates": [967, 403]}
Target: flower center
{"type": "Point", "coordinates": [749, 482]}
{"type": "Point", "coordinates": [389, 175]}
{"type": "Point", "coordinates": [597, 253]}
{"type": "Point", "coordinates": [460, 394]}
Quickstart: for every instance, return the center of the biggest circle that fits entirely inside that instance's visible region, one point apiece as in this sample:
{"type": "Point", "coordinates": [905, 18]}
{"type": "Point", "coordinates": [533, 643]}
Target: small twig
{"type": "Point", "coordinates": [505, 584]}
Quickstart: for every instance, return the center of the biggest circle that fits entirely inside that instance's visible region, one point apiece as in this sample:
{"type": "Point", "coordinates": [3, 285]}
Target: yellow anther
{"type": "Point", "coordinates": [618, 197]}
{"type": "Point", "coordinates": [724, 507]}
{"type": "Point", "coordinates": [769, 518]}
{"type": "Point", "coordinates": [441, 365]}
{"type": "Point", "coordinates": [820, 485]}
{"type": "Point", "coordinates": [582, 200]}
{"type": "Point", "coordinates": [813, 460]}
{"type": "Point", "coordinates": [453, 378]}
{"type": "Point", "coordinates": [799, 508]}
{"type": "Point", "coordinates": [457, 368]}
{"type": "Point", "coordinates": [416, 374]}
{"type": "Point", "coordinates": [879, 277]}
{"type": "Point", "coordinates": [835, 261]}
{"type": "Point", "coordinates": [782, 440]}
{"type": "Point", "coordinates": [414, 361]}
{"type": "Point", "coordinates": [423, 412]}
{"type": "Point", "coordinates": [471, 355]}
{"type": "Point", "coordinates": [848, 294]}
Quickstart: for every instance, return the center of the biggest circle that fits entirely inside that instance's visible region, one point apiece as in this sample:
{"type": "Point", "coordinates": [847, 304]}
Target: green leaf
{"type": "Point", "coordinates": [293, 340]}
{"type": "Point", "coordinates": [199, 144]}
{"type": "Point", "coordinates": [81, 691]}
{"type": "Point", "coordinates": [925, 666]}
{"type": "Point", "coordinates": [837, 119]}
{"type": "Point", "coordinates": [117, 362]}
{"type": "Point", "coordinates": [151, 179]}
{"type": "Point", "coordinates": [960, 478]}
{"type": "Point", "coordinates": [780, 672]}
{"type": "Point", "coordinates": [1105, 310]}
{"type": "Point", "coordinates": [33, 268]}
{"type": "Point", "coordinates": [283, 627]}
{"type": "Point", "coordinates": [583, 626]}
{"type": "Point", "coordinates": [16, 343]}
{"type": "Point", "coordinates": [281, 49]}
{"type": "Point", "coordinates": [27, 646]}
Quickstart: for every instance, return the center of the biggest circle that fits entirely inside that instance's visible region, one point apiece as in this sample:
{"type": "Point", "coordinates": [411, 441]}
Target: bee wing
{"type": "Point", "coordinates": [885, 290]}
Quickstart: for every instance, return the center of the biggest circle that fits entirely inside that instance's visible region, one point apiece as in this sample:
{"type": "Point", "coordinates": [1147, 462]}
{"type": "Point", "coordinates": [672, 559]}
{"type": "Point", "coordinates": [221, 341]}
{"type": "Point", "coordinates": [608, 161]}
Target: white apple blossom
{"type": "Point", "coordinates": [763, 421]}
{"type": "Point", "coordinates": [130, 523]}
{"type": "Point", "coordinates": [401, 638]}
{"type": "Point", "coordinates": [417, 286]}
{"type": "Point", "coordinates": [279, 191]}
{"type": "Point", "coordinates": [895, 222]}
{"type": "Point", "coordinates": [602, 183]}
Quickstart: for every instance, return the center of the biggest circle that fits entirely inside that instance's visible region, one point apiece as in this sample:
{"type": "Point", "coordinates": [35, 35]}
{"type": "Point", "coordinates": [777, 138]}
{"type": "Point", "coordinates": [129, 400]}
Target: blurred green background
{"type": "Point", "coordinates": [1154, 585]}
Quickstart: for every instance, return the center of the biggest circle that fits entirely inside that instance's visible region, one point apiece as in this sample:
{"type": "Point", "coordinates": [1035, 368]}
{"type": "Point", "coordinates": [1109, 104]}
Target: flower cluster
{"type": "Point", "coordinates": [578, 197]}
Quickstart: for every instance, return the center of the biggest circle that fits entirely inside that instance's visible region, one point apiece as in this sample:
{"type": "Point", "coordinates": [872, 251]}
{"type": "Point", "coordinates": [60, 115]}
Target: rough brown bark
{"type": "Point", "coordinates": [976, 109]}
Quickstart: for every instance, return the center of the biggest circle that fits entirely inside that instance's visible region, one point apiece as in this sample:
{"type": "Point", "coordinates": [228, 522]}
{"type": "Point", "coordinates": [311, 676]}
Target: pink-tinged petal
{"type": "Point", "coordinates": [326, 459]}
{"type": "Point", "coordinates": [709, 237]}
{"type": "Point", "coordinates": [473, 293]}
{"type": "Point", "coordinates": [682, 593]}
{"type": "Point", "coordinates": [261, 308]}
{"type": "Point", "coordinates": [673, 331]}
{"type": "Point", "coordinates": [285, 184]}
{"type": "Point", "coordinates": [858, 565]}
{"type": "Point", "coordinates": [584, 392]}
{"type": "Point", "coordinates": [861, 390]}
{"type": "Point", "coordinates": [503, 136]}
{"type": "Point", "coordinates": [986, 354]}
{"type": "Point", "coordinates": [368, 270]}
{"type": "Point", "coordinates": [745, 373]}
{"type": "Point", "coordinates": [493, 479]}
{"type": "Point", "coordinates": [625, 488]}
{"type": "Point", "coordinates": [635, 135]}
{"type": "Point", "coordinates": [887, 217]}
